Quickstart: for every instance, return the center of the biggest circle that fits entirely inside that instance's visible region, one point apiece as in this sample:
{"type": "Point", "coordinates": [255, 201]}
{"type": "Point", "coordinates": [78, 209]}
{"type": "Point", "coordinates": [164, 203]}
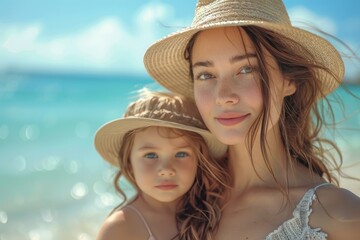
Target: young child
{"type": "Point", "coordinates": [164, 150]}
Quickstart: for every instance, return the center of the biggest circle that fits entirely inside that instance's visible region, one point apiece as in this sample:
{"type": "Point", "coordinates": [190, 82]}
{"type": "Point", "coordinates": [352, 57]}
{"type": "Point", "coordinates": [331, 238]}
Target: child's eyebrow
{"type": "Point", "coordinates": [184, 146]}
{"type": "Point", "coordinates": [146, 147]}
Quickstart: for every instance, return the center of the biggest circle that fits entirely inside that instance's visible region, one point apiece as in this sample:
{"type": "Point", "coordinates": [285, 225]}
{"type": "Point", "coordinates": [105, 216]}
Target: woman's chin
{"type": "Point", "coordinates": [231, 139]}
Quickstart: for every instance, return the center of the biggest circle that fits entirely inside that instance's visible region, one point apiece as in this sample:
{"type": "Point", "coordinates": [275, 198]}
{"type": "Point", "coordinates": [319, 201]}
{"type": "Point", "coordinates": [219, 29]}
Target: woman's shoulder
{"type": "Point", "coordinates": [341, 203]}
{"type": "Point", "coordinates": [119, 225]}
{"type": "Point", "coordinates": [337, 211]}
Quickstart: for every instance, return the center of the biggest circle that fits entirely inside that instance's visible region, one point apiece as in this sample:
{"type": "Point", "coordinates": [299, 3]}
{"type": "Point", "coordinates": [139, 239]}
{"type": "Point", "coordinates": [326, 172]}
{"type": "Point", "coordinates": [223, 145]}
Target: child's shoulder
{"type": "Point", "coordinates": [337, 210]}
{"type": "Point", "coordinates": [121, 224]}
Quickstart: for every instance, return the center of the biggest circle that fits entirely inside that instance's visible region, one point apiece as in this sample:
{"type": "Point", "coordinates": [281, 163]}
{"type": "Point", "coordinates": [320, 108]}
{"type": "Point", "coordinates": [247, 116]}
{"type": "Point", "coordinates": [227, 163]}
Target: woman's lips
{"type": "Point", "coordinates": [231, 119]}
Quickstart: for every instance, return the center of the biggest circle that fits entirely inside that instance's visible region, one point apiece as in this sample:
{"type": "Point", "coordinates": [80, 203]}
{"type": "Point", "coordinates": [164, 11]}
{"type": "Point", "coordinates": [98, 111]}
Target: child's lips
{"type": "Point", "coordinates": [166, 186]}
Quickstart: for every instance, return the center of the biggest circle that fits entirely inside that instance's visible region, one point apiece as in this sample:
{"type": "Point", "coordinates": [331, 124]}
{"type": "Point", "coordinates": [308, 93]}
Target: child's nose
{"type": "Point", "coordinates": [166, 169]}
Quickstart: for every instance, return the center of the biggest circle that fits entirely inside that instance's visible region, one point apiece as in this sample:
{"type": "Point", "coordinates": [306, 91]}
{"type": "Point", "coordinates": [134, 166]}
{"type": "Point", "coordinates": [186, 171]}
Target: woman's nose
{"type": "Point", "coordinates": [226, 92]}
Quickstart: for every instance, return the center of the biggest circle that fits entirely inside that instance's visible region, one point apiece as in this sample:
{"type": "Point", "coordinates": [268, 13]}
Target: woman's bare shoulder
{"type": "Point", "coordinates": [337, 211]}
{"type": "Point", "coordinates": [340, 202]}
{"type": "Point", "coordinates": [117, 226]}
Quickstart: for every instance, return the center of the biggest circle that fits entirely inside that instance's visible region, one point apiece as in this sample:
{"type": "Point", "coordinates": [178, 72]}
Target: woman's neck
{"type": "Point", "coordinates": [251, 170]}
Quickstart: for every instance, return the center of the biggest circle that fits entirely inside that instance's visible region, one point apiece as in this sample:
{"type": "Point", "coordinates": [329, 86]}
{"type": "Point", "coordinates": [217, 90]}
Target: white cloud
{"type": "Point", "coordinates": [111, 45]}
{"type": "Point", "coordinates": [15, 39]}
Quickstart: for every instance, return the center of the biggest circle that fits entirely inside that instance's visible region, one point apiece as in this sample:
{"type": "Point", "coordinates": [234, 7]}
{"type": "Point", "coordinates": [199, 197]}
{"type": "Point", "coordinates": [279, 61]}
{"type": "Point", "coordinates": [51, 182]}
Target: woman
{"type": "Point", "coordinates": [258, 83]}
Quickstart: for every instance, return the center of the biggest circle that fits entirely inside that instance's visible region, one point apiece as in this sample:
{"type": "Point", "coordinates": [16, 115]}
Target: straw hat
{"type": "Point", "coordinates": [155, 109]}
{"type": "Point", "coordinates": [165, 61]}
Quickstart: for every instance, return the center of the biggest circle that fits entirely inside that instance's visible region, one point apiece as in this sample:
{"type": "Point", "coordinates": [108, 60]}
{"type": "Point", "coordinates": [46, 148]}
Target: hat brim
{"type": "Point", "coordinates": [165, 62]}
{"type": "Point", "coordinates": [109, 137]}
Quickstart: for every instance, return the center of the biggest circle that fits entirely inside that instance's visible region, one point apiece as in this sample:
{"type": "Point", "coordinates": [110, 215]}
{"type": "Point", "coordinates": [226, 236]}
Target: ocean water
{"type": "Point", "coordinates": [53, 184]}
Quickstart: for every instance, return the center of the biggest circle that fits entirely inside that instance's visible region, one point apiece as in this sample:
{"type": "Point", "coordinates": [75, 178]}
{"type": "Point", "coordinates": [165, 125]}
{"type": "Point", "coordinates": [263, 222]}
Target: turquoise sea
{"type": "Point", "coordinates": [53, 184]}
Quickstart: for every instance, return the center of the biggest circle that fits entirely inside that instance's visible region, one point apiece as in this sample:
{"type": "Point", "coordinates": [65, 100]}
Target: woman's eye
{"type": "Point", "coordinates": [151, 155]}
{"type": "Point", "coordinates": [246, 69]}
{"type": "Point", "coordinates": [181, 155]}
{"type": "Point", "coordinates": [204, 76]}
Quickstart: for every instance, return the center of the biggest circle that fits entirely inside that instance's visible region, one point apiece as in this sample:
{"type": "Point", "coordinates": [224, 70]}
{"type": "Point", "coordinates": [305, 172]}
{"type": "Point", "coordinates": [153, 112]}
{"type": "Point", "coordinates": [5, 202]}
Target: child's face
{"type": "Point", "coordinates": [227, 83]}
{"type": "Point", "coordinates": [164, 165]}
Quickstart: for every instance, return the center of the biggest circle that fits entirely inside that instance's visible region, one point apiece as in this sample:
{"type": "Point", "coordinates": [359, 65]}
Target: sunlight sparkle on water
{"type": "Point", "coordinates": [39, 234]}
{"type": "Point", "coordinates": [84, 236]}
{"type": "Point", "coordinates": [72, 167]}
{"type": "Point", "coordinates": [105, 200]}
{"type": "Point", "coordinates": [20, 163]}
{"type": "Point", "coordinates": [3, 217]}
{"type": "Point", "coordinates": [29, 132]}
{"type": "Point", "coordinates": [79, 190]}
{"type": "Point", "coordinates": [47, 215]}
{"type": "Point", "coordinates": [51, 162]}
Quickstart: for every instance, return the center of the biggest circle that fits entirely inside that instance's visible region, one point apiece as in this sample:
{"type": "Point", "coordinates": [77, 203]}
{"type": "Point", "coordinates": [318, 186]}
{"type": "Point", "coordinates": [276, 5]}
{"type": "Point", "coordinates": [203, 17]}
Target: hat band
{"type": "Point", "coordinates": [171, 116]}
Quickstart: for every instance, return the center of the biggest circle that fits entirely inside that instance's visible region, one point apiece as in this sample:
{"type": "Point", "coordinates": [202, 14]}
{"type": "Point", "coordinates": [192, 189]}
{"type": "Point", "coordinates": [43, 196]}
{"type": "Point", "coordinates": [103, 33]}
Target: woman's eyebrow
{"type": "Point", "coordinates": [239, 58]}
{"type": "Point", "coordinates": [203, 64]}
{"type": "Point", "coordinates": [236, 58]}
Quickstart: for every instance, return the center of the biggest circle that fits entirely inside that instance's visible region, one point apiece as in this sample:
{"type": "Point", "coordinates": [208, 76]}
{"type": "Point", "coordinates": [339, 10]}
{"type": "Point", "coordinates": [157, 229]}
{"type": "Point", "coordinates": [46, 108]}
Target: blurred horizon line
{"type": "Point", "coordinates": [109, 74]}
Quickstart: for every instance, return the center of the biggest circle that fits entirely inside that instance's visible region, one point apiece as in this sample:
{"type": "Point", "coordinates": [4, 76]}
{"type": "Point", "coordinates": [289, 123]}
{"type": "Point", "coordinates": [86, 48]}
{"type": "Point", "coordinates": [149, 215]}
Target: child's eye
{"type": "Point", "coordinates": [151, 155]}
{"type": "Point", "coordinates": [181, 154]}
{"type": "Point", "coordinates": [204, 76]}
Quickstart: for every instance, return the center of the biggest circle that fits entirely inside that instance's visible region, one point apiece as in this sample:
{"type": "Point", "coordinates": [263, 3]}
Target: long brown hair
{"type": "Point", "coordinates": [199, 211]}
{"type": "Point", "coordinates": [303, 114]}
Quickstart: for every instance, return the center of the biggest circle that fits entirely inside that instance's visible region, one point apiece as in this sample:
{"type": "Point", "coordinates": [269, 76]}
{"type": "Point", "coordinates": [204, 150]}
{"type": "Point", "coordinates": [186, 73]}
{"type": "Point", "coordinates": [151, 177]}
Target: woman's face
{"type": "Point", "coordinates": [227, 83]}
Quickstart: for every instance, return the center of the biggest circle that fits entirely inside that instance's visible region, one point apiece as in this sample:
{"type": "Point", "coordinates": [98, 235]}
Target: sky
{"type": "Point", "coordinates": [111, 36]}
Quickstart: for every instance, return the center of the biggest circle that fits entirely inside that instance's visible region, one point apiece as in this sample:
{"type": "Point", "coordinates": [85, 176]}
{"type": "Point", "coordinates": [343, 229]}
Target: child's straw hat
{"type": "Point", "coordinates": [155, 109]}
